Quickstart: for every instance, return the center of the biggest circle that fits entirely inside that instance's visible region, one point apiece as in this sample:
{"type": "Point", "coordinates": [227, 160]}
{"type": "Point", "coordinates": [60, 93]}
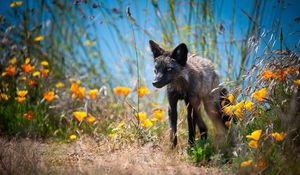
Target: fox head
{"type": "Point", "coordinates": [167, 64]}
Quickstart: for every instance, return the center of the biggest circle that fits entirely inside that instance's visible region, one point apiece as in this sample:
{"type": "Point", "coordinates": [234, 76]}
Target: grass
{"type": "Point", "coordinates": [80, 60]}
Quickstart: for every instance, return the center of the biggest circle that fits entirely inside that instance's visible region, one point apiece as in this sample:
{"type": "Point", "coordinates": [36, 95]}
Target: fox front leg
{"type": "Point", "coordinates": [173, 119]}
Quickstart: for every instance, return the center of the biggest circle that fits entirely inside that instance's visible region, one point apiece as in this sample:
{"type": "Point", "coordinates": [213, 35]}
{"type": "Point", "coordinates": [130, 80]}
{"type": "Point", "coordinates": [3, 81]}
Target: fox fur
{"type": "Point", "coordinates": [190, 78]}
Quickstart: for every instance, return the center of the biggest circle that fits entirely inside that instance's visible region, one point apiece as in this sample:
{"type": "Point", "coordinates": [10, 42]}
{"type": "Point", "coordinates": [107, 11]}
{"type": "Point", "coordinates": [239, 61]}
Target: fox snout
{"type": "Point", "coordinates": [159, 81]}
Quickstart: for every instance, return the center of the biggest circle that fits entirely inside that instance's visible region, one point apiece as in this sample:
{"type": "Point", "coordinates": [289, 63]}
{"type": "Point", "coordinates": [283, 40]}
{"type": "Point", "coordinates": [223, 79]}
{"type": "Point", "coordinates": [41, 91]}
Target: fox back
{"type": "Point", "coordinates": [190, 78]}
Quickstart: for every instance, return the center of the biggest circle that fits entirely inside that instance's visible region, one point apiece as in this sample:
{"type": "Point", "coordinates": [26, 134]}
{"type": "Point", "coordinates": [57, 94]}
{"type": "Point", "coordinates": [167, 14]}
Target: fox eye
{"type": "Point", "coordinates": [155, 71]}
{"type": "Point", "coordinates": [169, 69]}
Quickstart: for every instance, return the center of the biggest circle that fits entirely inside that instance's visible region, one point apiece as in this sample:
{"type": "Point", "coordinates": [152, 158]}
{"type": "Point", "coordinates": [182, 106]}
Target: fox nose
{"type": "Point", "coordinates": [155, 83]}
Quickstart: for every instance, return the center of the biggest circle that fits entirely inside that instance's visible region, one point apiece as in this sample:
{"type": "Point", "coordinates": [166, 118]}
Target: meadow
{"type": "Point", "coordinates": [76, 93]}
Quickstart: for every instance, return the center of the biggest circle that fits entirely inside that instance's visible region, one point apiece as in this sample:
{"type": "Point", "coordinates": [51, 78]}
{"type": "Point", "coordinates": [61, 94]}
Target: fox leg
{"type": "Point", "coordinates": [173, 119]}
{"type": "Point", "coordinates": [201, 125]}
{"type": "Point", "coordinates": [191, 124]}
{"type": "Point", "coordinates": [214, 115]}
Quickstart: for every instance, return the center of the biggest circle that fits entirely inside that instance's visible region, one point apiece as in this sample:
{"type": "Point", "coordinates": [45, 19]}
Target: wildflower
{"type": "Point", "coordinates": [75, 88]}
{"type": "Point", "coordinates": [59, 85]}
{"type": "Point", "coordinates": [231, 98]}
{"type": "Point", "coordinates": [81, 92]}
{"type": "Point", "coordinates": [27, 67]}
{"type": "Point", "coordinates": [32, 82]}
{"type": "Point", "coordinates": [240, 105]}
{"type": "Point", "coordinates": [13, 60]}
{"type": "Point", "coordinates": [292, 69]}
{"type": "Point", "coordinates": [142, 91]}
{"type": "Point", "coordinates": [93, 93]}
{"type": "Point", "coordinates": [122, 90]}
{"type": "Point", "coordinates": [228, 110]}
{"type": "Point", "coordinates": [261, 163]}
{"type": "Point", "coordinates": [255, 135]}
{"type": "Point", "coordinates": [267, 74]}
{"type": "Point", "coordinates": [158, 114]}
{"type": "Point", "coordinates": [20, 99]}
{"type": "Point", "coordinates": [126, 91]}
{"type": "Point", "coordinates": [38, 38]}
{"type": "Point", "coordinates": [4, 96]}
{"type": "Point", "coordinates": [238, 113]}
{"type": "Point", "coordinates": [73, 137]}
{"type": "Point", "coordinates": [280, 75]}
{"type": "Point", "coordinates": [260, 95]}
{"type": "Point", "coordinates": [44, 63]}
{"type": "Point", "coordinates": [278, 136]}
{"type": "Point", "coordinates": [90, 119]}
{"type": "Point", "coordinates": [10, 70]}
{"type": "Point", "coordinates": [23, 78]}
{"type": "Point", "coordinates": [248, 105]}
{"type": "Point", "coordinates": [88, 43]}
{"type": "Point", "coordinates": [36, 73]}
{"type": "Point", "coordinates": [79, 115]}
{"type": "Point", "coordinates": [22, 93]}
{"type": "Point", "coordinates": [253, 144]}
{"type": "Point", "coordinates": [227, 124]}
{"type": "Point", "coordinates": [246, 163]}
{"type": "Point", "coordinates": [147, 123]}
{"type": "Point", "coordinates": [45, 72]}
{"type": "Point", "coordinates": [141, 116]}
{"type": "Point", "coordinates": [297, 82]}
{"type": "Point", "coordinates": [28, 115]}
{"type": "Point", "coordinates": [16, 3]}
{"type": "Point", "coordinates": [49, 96]}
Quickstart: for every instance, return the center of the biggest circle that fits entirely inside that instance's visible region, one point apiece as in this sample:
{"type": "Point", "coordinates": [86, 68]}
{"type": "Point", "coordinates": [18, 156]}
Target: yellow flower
{"type": "Point", "coordinates": [267, 74]}
{"type": "Point", "coordinates": [147, 123]}
{"type": "Point", "coordinates": [22, 93]}
{"type": "Point", "coordinates": [23, 78]}
{"type": "Point", "coordinates": [27, 60]}
{"type": "Point", "coordinates": [227, 123]}
{"type": "Point", "coordinates": [73, 137]}
{"type": "Point", "coordinates": [36, 73]}
{"type": "Point", "coordinates": [122, 90]}
{"type": "Point", "coordinates": [278, 136]}
{"type": "Point", "coordinates": [238, 113]}
{"type": "Point", "coordinates": [281, 74]}
{"type": "Point", "coordinates": [13, 60]}
{"type": "Point", "coordinates": [248, 105]}
{"type": "Point", "coordinates": [59, 85]}
{"type": "Point", "coordinates": [16, 3]}
{"type": "Point", "coordinates": [142, 91]}
{"type": "Point", "coordinates": [246, 163]}
{"type": "Point", "coordinates": [20, 99]}
{"type": "Point", "coordinates": [240, 105]}
{"type": "Point", "coordinates": [231, 98]}
{"type": "Point", "coordinates": [255, 135]}
{"type": "Point", "coordinates": [79, 115]}
{"type": "Point", "coordinates": [141, 116]}
{"type": "Point", "coordinates": [118, 90]}
{"type": "Point", "coordinates": [49, 96]}
{"type": "Point", "coordinates": [44, 63]}
{"type": "Point", "coordinates": [228, 110]}
{"type": "Point", "coordinates": [253, 144]}
{"type": "Point", "coordinates": [38, 38]}
{"type": "Point", "coordinates": [90, 119]}
{"type": "Point", "coordinates": [93, 93]}
{"type": "Point", "coordinates": [260, 95]}
{"type": "Point", "coordinates": [45, 72]}
{"type": "Point", "coordinates": [4, 96]}
{"type": "Point", "coordinates": [81, 92]}
{"type": "Point", "coordinates": [89, 43]}
{"type": "Point", "coordinates": [297, 82]}
{"type": "Point", "coordinates": [126, 91]}
{"type": "Point", "coordinates": [28, 115]}
{"type": "Point", "coordinates": [159, 114]}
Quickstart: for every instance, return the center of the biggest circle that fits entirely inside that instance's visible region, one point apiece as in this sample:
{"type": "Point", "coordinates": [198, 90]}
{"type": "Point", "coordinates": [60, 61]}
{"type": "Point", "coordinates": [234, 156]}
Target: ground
{"type": "Point", "coordinates": [92, 156]}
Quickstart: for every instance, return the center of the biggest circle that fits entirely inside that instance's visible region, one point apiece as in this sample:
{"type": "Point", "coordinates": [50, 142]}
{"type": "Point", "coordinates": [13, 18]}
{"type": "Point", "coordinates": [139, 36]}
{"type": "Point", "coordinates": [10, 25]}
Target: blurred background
{"type": "Point", "coordinates": [96, 40]}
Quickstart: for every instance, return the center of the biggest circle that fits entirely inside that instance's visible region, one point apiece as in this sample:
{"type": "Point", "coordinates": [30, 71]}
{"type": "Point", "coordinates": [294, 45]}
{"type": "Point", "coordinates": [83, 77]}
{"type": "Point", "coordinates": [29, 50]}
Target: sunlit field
{"type": "Point", "coordinates": [76, 93]}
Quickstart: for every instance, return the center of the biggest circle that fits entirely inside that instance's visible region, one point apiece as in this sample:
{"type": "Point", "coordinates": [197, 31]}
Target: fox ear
{"type": "Point", "coordinates": [156, 50]}
{"type": "Point", "coordinates": [180, 54]}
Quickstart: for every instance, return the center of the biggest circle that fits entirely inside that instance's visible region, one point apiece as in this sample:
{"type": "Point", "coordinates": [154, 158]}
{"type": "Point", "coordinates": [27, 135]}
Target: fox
{"type": "Point", "coordinates": [193, 79]}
